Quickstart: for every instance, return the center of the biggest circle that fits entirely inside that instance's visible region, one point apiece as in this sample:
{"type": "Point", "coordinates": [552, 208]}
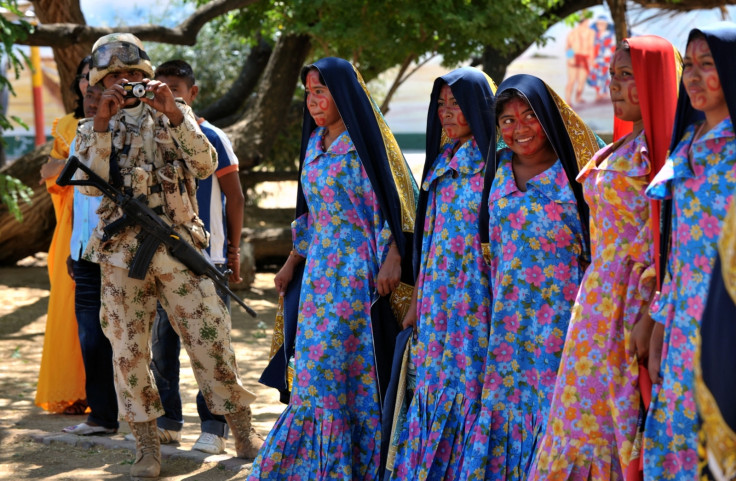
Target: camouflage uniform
{"type": "Point", "coordinates": [161, 162]}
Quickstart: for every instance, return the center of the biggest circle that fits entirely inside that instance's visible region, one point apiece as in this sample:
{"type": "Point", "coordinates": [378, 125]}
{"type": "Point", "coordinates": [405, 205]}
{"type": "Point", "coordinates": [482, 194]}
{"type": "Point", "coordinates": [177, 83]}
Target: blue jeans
{"type": "Point", "coordinates": [165, 348]}
{"type": "Point", "coordinates": [96, 350]}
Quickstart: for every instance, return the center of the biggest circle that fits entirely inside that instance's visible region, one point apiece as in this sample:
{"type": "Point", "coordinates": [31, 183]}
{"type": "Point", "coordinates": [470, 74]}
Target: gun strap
{"type": "Point", "coordinates": [147, 246]}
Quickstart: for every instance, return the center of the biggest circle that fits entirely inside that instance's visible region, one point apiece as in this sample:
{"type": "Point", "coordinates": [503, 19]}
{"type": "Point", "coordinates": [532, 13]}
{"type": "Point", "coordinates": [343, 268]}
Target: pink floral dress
{"type": "Point", "coordinates": [593, 419]}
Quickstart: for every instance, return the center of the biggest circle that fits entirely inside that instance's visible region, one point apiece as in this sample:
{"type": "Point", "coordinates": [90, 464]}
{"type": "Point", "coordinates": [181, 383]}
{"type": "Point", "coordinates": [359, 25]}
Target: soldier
{"type": "Point", "coordinates": [152, 146]}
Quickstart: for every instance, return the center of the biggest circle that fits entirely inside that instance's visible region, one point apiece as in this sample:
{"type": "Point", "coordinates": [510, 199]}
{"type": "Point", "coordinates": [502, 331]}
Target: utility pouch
{"type": "Point", "coordinates": [177, 202]}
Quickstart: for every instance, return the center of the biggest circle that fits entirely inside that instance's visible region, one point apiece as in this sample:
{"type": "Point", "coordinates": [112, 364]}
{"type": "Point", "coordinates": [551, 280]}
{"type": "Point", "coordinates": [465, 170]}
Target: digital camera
{"type": "Point", "coordinates": [136, 90]}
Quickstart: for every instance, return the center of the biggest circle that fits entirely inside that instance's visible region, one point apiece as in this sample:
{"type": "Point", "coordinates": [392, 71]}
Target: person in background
{"type": "Point", "coordinates": [697, 184]}
{"type": "Point", "coordinates": [604, 45]}
{"type": "Point", "coordinates": [594, 428]}
{"type": "Point", "coordinates": [451, 305]}
{"type": "Point", "coordinates": [61, 381]}
{"type": "Point", "coordinates": [221, 201]}
{"type": "Point", "coordinates": [96, 349]}
{"type": "Point", "coordinates": [579, 52]}
{"type": "Point", "coordinates": [354, 219]}
{"type": "Point", "coordinates": [538, 243]}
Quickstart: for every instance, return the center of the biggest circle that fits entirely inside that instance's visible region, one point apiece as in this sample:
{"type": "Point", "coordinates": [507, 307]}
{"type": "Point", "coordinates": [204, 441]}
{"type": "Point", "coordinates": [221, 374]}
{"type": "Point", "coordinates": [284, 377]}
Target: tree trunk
{"type": "Point", "coordinates": [495, 62]}
{"type": "Point", "coordinates": [618, 14]}
{"type": "Point", "coordinates": [33, 234]}
{"type": "Point", "coordinates": [254, 136]}
{"type": "Point", "coordinates": [67, 58]}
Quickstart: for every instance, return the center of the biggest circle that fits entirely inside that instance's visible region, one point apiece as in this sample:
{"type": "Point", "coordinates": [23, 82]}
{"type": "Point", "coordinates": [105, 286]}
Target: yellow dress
{"type": "Point", "coordinates": [61, 378]}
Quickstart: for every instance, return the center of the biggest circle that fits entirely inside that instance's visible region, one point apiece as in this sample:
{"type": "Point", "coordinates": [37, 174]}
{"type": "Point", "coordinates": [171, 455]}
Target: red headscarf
{"type": "Point", "coordinates": [657, 67]}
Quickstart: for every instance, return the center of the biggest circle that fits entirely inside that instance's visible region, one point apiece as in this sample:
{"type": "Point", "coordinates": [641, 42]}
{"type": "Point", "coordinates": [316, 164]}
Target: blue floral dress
{"type": "Point", "coordinates": [453, 304]}
{"type": "Point", "coordinates": [331, 427]}
{"type": "Point", "coordinates": [700, 178]}
{"type": "Point", "coordinates": [537, 265]}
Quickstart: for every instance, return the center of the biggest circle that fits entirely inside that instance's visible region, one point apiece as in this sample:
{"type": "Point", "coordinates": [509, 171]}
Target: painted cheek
{"type": "Point", "coordinates": [461, 120]}
{"type": "Point", "coordinates": [507, 133]}
{"type": "Point", "coordinates": [632, 94]}
{"type": "Point", "coordinates": [713, 83]}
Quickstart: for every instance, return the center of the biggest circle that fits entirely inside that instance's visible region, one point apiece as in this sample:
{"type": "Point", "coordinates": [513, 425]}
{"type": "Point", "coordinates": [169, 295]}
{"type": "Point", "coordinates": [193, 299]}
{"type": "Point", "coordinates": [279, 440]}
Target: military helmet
{"type": "Point", "coordinates": [116, 52]}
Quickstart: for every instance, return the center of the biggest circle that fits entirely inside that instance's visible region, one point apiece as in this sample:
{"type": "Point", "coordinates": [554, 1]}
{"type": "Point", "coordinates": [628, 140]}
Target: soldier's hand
{"type": "Point", "coordinates": [163, 101]}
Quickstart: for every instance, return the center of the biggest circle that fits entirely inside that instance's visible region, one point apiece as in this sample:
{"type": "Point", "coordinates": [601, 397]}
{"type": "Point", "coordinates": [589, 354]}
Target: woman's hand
{"type": "Point", "coordinates": [389, 275]}
{"type": "Point", "coordinates": [51, 169]}
{"type": "Point", "coordinates": [655, 353]}
{"type": "Point", "coordinates": [286, 273]}
{"type": "Point", "coordinates": [641, 335]}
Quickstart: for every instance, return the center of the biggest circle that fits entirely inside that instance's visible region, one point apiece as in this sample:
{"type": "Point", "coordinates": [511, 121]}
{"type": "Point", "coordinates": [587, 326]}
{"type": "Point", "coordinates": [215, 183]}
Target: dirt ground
{"type": "Point", "coordinates": [31, 445]}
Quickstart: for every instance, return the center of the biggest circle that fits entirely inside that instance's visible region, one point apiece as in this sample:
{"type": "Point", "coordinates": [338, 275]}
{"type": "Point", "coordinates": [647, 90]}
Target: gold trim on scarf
{"type": "Point", "coordinates": [400, 300]}
{"type": "Point", "coordinates": [584, 141]}
{"type": "Point", "coordinates": [727, 249]}
{"type": "Point", "coordinates": [399, 169]}
{"type": "Point", "coordinates": [717, 439]}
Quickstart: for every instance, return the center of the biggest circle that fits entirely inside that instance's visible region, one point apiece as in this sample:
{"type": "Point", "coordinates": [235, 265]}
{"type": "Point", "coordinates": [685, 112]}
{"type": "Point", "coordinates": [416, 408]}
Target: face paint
{"type": "Point", "coordinates": [451, 116]}
{"type": "Point", "coordinates": [320, 103]}
{"type": "Point", "coordinates": [700, 77]}
{"type": "Point", "coordinates": [624, 96]}
{"type": "Point", "coordinates": [521, 129]}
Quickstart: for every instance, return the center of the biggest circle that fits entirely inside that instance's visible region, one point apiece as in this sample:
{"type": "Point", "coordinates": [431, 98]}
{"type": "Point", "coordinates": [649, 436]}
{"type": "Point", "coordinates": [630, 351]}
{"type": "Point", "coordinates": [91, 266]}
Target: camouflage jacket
{"type": "Point", "coordinates": [154, 159]}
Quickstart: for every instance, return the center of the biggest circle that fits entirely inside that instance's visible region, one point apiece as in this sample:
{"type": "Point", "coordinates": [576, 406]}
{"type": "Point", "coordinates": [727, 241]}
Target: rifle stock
{"type": "Point", "coordinates": [157, 231]}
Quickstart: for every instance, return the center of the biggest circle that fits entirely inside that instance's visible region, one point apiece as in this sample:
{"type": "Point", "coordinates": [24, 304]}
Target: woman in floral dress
{"type": "Point", "coordinates": [355, 202]}
{"type": "Point", "coordinates": [698, 183]}
{"type": "Point", "coordinates": [592, 428]}
{"type": "Point", "coordinates": [451, 305]}
{"type": "Point", "coordinates": [537, 232]}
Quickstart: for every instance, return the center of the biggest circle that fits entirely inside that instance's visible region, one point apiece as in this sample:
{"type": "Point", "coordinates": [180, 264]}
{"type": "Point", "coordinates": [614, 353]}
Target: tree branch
{"type": "Point", "coordinates": [232, 101]}
{"type": "Point", "coordinates": [66, 34]}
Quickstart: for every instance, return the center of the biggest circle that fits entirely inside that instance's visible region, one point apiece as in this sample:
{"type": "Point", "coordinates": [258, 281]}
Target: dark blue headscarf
{"type": "Point", "coordinates": [473, 91]}
{"type": "Point", "coordinates": [721, 38]}
{"type": "Point", "coordinates": [574, 148]}
{"type": "Point", "coordinates": [357, 111]}
{"type": "Point", "coordinates": [383, 162]}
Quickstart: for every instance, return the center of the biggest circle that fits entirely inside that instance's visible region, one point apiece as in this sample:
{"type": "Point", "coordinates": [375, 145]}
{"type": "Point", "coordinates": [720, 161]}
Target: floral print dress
{"type": "Point", "coordinates": [537, 262]}
{"type": "Point", "coordinates": [699, 177]}
{"type": "Point", "coordinates": [331, 427]}
{"type": "Point", "coordinates": [453, 307]}
{"type": "Point", "coordinates": [592, 423]}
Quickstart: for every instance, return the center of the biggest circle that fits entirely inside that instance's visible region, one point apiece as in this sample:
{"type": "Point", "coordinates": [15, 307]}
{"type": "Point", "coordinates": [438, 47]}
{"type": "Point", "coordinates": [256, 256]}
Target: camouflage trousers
{"type": "Point", "coordinates": [196, 313]}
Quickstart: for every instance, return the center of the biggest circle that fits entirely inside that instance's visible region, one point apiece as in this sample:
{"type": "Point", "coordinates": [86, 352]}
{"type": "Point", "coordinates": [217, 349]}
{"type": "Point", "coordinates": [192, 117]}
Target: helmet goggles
{"type": "Point", "coordinates": [125, 52]}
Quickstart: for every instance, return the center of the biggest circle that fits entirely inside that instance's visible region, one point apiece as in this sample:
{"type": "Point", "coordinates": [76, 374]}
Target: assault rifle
{"type": "Point", "coordinates": [154, 231]}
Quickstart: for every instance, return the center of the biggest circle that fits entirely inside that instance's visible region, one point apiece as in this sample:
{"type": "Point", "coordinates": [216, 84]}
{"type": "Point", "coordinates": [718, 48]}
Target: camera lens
{"type": "Point", "coordinates": [139, 90]}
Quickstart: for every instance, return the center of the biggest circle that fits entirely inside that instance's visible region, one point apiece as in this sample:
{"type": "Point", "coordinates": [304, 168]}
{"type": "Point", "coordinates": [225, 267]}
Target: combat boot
{"type": "Point", "coordinates": [247, 441]}
{"type": "Point", "coordinates": [147, 450]}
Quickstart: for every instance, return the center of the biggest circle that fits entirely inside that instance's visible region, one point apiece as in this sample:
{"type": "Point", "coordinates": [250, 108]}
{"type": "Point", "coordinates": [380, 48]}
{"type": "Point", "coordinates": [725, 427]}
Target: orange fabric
{"type": "Point", "coordinates": [61, 377]}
